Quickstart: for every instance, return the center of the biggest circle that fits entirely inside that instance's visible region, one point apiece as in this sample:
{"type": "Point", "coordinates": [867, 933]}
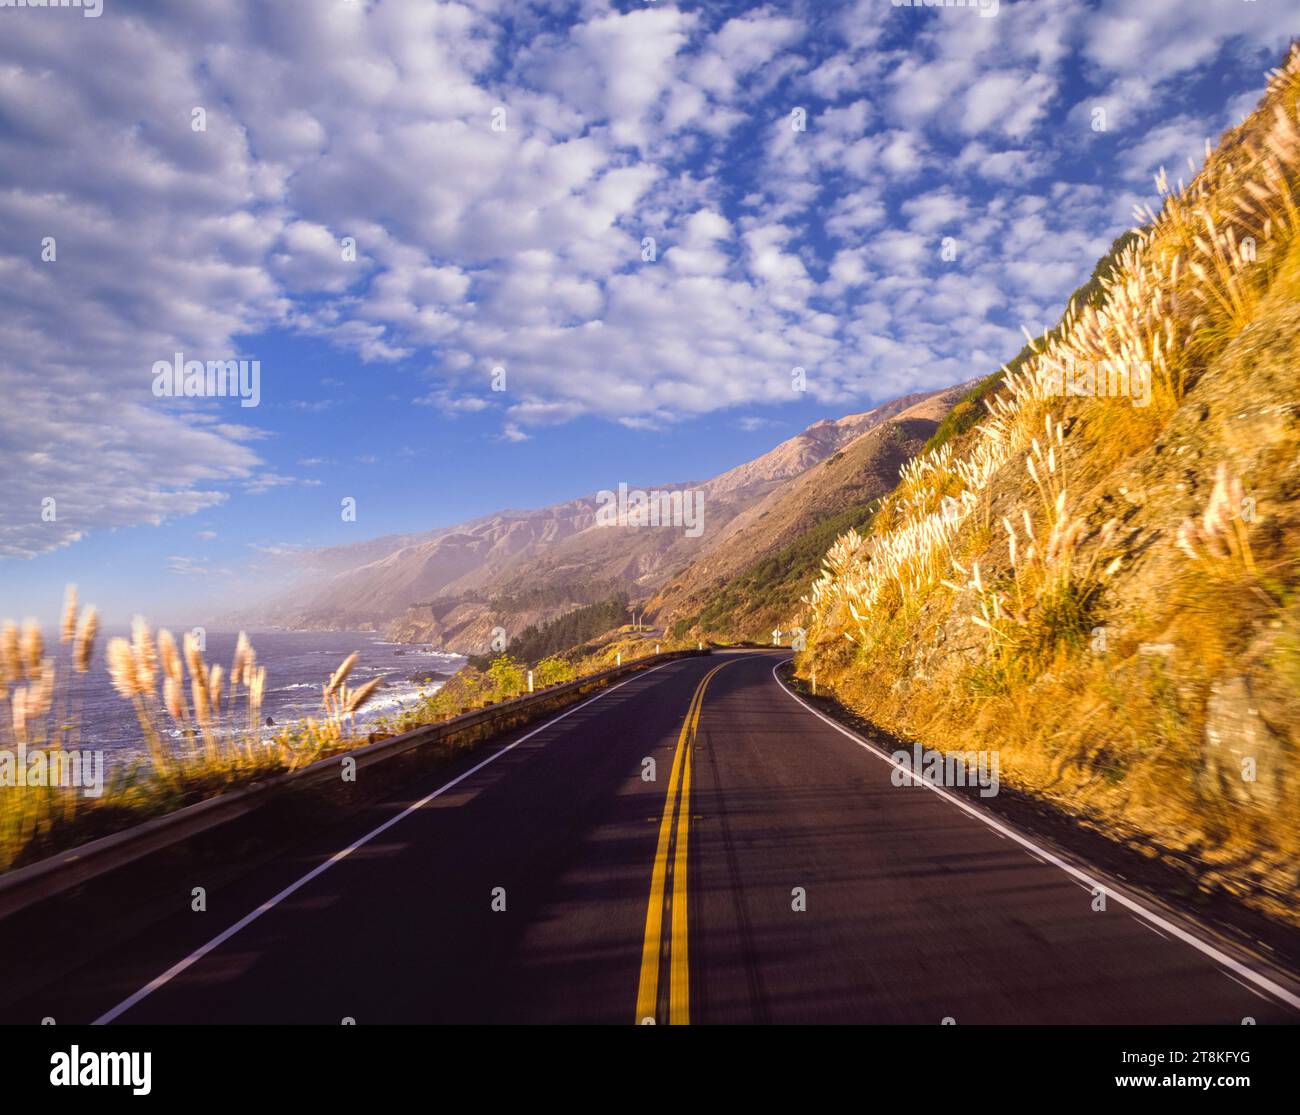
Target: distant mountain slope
{"type": "Point", "coordinates": [753, 576]}
{"type": "Point", "coordinates": [451, 586]}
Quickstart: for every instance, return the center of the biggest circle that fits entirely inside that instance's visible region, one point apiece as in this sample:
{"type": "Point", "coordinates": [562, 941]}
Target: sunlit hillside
{"type": "Point", "coordinates": [1100, 579]}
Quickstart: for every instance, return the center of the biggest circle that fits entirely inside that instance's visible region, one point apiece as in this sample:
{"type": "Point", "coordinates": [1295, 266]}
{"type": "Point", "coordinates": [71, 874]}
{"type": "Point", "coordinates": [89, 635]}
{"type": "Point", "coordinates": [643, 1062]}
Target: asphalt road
{"type": "Point", "coordinates": [770, 872]}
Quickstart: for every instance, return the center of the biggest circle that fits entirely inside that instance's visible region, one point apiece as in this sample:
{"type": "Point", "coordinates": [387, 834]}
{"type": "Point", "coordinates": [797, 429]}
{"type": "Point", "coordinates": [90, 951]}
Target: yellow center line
{"type": "Point", "coordinates": [679, 981]}
{"type": "Point", "coordinates": [648, 992]}
{"type": "Point", "coordinates": [647, 1002]}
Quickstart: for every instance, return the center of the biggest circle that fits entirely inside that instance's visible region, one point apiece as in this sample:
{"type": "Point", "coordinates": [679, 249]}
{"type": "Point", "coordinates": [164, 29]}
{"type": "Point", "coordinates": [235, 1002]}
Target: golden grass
{"type": "Point", "coordinates": [202, 734]}
{"type": "Point", "coordinates": [1152, 314]}
{"type": "Point", "coordinates": [200, 723]}
{"type": "Point", "coordinates": [1116, 737]}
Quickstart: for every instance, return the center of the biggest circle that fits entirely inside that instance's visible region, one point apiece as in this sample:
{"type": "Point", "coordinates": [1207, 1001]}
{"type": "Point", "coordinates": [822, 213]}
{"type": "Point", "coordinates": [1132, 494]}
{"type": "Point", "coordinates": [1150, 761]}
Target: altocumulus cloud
{"type": "Point", "coordinates": [523, 247]}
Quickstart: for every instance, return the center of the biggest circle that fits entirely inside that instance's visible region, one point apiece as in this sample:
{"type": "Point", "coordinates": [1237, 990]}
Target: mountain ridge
{"type": "Point", "coordinates": [512, 568]}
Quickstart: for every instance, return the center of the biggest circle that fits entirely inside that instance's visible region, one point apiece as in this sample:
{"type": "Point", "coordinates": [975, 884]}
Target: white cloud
{"type": "Point", "coordinates": [1170, 145]}
{"type": "Point", "coordinates": [1159, 39]}
{"type": "Point", "coordinates": [523, 247]}
{"type": "Point", "coordinates": [927, 213]}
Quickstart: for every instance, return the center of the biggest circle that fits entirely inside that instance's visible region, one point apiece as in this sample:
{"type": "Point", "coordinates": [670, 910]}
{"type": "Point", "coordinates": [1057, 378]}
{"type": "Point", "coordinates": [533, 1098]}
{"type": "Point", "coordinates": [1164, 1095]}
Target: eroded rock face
{"type": "Point", "coordinates": [1244, 758]}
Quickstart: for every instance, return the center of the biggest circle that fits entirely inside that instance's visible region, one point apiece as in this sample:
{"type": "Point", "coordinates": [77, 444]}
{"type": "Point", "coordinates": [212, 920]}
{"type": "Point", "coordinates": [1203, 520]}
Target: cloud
{"type": "Point", "coordinates": [265, 481]}
{"type": "Point", "coordinates": [186, 566]}
{"type": "Point", "coordinates": [739, 48]}
{"type": "Point", "coordinates": [512, 432]}
{"type": "Point", "coordinates": [927, 213]}
{"type": "Point", "coordinates": [350, 184]}
{"type": "Point", "coordinates": [1160, 39]}
{"type": "Point", "coordinates": [1170, 145]}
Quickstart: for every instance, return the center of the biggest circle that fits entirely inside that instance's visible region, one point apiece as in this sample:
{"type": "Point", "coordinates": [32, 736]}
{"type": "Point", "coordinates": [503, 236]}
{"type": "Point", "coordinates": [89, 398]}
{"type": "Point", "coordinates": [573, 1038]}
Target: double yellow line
{"type": "Point", "coordinates": [677, 808]}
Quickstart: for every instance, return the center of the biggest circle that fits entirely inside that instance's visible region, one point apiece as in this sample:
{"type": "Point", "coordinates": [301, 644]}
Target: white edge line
{"type": "Point", "coordinates": [1146, 925]}
{"type": "Point", "coordinates": [203, 950]}
{"type": "Point", "coordinates": [1205, 947]}
{"type": "Point", "coordinates": [1250, 989]}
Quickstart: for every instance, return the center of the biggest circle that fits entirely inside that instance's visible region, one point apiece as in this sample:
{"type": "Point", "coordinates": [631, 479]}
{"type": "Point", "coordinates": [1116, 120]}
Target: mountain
{"type": "Point", "coordinates": [761, 562]}
{"type": "Point", "coordinates": [452, 586]}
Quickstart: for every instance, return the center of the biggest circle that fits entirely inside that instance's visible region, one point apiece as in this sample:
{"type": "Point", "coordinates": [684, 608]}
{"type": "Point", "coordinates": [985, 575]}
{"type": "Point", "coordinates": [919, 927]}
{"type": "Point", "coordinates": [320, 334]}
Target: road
{"type": "Point", "coordinates": [769, 873]}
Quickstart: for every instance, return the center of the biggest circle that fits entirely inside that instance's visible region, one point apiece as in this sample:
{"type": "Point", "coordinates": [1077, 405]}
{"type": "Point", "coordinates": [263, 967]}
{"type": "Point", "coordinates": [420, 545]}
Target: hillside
{"type": "Point", "coordinates": [516, 569]}
{"type": "Point", "coordinates": [1108, 594]}
{"type": "Point", "coordinates": [744, 592]}
{"type": "Point", "coordinates": [763, 561]}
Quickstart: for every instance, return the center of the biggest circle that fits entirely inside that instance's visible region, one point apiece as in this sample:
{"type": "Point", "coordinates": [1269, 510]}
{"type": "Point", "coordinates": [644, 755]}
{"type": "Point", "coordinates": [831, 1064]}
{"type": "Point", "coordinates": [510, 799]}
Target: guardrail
{"type": "Point", "coordinates": [56, 874]}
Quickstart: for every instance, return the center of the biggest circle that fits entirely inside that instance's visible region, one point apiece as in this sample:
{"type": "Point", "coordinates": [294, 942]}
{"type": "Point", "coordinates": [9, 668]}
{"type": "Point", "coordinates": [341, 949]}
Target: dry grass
{"type": "Point", "coordinates": [1158, 316]}
{"type": "Point", "coordinates": [200, 724]}
{"type": "Point", "coordinates": [1114, 735]}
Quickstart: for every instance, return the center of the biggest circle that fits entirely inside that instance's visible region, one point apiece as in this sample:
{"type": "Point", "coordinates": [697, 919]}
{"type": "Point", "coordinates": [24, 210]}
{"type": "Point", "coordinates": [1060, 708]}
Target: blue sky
{"type": "Point", "coordinates": [522, 247]}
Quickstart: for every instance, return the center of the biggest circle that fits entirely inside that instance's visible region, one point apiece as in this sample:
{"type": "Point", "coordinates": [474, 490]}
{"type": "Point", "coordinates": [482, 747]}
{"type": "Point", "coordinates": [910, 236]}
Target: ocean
{"type": "Point", "coordinates": [298, 664]}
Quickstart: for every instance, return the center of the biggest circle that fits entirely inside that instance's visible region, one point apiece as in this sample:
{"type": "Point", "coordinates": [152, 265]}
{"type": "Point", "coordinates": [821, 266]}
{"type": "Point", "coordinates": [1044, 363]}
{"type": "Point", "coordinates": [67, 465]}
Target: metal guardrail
{"type": "Point", "coordinates": [56, 874]}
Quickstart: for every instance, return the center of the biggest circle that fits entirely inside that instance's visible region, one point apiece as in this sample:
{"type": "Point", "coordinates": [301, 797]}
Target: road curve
{"type": "Point", "coordinates": [694, 845]}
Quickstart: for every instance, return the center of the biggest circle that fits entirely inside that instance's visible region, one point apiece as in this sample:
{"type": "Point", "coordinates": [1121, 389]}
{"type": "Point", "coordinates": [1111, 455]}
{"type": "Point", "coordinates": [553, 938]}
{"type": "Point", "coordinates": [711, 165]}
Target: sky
{"type": "Point", "coordinates": [498, 254]}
